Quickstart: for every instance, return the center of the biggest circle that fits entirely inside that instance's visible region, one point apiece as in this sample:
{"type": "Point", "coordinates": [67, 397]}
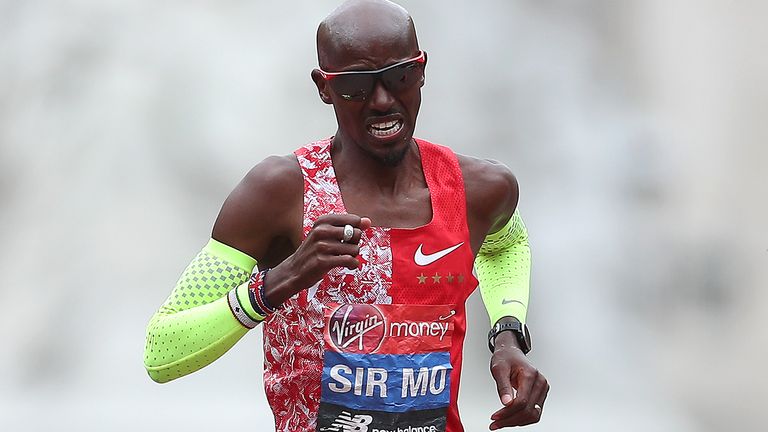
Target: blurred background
{"type": "Point", "coordinates": [637, 130]}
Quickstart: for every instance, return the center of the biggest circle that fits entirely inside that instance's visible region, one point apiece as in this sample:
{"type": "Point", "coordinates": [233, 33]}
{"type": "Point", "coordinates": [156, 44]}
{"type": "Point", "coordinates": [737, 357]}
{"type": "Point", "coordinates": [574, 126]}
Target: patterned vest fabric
{"type": "Point", "coordinates": [428, 265]}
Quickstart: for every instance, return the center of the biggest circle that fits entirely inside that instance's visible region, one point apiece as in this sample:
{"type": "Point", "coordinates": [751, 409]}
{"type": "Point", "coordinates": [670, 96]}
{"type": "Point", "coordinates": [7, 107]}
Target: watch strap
{"type": "Point", "coordinates": [515, 327]}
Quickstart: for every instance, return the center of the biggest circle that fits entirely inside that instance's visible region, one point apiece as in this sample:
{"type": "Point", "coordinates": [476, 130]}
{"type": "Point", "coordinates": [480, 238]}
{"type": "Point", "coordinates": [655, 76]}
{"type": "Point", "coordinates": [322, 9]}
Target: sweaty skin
{"type": "Point", "coordinates": [380, 180]}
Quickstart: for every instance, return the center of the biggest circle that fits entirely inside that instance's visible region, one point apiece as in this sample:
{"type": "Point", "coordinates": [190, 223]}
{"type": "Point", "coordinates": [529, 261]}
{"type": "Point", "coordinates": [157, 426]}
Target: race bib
{"type": "Point", "coordinates": [386, 368]}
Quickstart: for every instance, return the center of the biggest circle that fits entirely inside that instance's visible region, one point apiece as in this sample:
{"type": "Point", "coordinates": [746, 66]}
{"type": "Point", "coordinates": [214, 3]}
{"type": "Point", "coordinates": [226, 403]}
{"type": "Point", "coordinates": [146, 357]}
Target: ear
{"type": "Point", "coordinates": [322, 87]}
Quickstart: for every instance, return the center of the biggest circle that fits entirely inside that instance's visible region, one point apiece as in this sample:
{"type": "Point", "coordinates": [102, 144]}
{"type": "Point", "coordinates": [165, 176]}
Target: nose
{"type": "Point", "coordinates": [381, 99]}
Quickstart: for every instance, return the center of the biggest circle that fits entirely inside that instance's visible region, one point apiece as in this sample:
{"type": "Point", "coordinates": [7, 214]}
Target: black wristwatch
{"type": "Point", "coordinates": [519, 329]}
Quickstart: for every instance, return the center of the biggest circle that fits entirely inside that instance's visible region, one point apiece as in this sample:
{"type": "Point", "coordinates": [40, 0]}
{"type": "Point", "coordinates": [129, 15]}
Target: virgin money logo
{"type": "Point", "coordinates": [357, 328]}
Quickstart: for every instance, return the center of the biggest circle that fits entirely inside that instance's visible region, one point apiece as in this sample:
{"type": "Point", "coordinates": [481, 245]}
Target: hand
{"type": "Point", "coordinates": [321, 251]}
{"type": "Point", "coordinates": [511, 369]}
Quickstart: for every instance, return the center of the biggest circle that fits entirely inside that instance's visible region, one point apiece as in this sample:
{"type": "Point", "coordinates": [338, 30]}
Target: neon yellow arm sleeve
{"type": "Point", "coordinates": [503, 267]}
{"type": "Point", "coordinates": [206, 314]}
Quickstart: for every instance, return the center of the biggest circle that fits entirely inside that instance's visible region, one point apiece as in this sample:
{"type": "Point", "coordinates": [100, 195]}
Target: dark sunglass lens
{"type": "Point", "coordinates": [403, 77]}
{"type": "Point", "coordinates": [353, 86]}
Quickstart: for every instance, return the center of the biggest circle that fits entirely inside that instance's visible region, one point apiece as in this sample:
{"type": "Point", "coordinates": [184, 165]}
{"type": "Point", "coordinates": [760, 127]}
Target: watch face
{"type": "Point", "coordinates": [527, 339]}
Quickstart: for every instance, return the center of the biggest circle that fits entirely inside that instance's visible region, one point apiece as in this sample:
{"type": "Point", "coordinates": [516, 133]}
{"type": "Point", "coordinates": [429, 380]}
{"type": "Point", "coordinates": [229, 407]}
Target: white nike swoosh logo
{"type": "Point", "coordinates": [423, 260]}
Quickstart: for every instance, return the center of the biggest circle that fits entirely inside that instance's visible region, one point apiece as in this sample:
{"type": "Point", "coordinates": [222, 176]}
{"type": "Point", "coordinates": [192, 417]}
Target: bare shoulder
{"type": "Point", "coordinates": [266, 205]}
{"type": "Point", "coordinates": [492, 191]}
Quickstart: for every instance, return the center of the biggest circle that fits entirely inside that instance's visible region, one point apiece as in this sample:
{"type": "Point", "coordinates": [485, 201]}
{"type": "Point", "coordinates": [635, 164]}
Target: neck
{"type": "Point", "coordinates": [352, 163]}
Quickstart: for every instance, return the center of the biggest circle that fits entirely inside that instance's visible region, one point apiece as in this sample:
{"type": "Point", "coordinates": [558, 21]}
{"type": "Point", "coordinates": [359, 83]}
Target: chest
{"type": "Point", "coordinates": [406, 209]}
{"type": "Point", "coordinates": [418, 250]}
{"type": "Point", "coordinates": [426, 265]}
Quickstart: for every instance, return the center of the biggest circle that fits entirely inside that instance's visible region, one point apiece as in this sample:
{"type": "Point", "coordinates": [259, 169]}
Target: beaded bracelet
{"type": "Point", "coordinates": [257, 295]}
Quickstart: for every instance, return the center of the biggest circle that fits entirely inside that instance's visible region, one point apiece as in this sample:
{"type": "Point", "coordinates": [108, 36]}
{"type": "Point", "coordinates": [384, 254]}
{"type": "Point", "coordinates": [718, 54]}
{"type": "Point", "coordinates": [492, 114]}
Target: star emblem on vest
{"type": "Point", "coordinates": [438, 279]}
{"type": "Point", "coordinates": [422, 259]}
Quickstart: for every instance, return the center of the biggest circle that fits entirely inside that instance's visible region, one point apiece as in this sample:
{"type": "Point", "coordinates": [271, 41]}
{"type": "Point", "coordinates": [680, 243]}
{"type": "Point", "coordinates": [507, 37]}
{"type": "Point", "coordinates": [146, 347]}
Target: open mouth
{"type": "Point", "coordinates": [385, 129]}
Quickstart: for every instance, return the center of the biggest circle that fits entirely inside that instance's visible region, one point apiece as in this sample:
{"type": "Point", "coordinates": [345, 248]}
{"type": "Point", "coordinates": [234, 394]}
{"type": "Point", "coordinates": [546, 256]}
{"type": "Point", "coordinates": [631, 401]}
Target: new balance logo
{"type": "Point", "coordinates": [423, 260]}
{"type": "Point", "coordinates": [346, 422]}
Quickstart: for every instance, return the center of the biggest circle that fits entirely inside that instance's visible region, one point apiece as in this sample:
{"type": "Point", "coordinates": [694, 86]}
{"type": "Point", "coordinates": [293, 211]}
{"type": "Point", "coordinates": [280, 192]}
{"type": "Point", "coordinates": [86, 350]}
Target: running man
{"type": "Point", "coordinates": [356, 255]}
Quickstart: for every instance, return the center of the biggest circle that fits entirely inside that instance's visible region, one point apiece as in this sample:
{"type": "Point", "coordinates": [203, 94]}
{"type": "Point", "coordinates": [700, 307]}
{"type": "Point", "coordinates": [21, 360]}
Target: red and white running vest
{"type": "Point", "coordinates": [333, 362]}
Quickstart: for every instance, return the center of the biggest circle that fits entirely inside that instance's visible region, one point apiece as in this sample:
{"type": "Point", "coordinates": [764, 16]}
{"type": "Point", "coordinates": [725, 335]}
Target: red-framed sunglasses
{"type": "Point", "coordinates": [358, 85]}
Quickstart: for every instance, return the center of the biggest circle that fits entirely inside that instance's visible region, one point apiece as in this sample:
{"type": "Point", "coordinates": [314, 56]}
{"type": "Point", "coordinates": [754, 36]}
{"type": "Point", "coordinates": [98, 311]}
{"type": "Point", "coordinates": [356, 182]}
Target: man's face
{"type": "Point", "coordinates": [383, 124]}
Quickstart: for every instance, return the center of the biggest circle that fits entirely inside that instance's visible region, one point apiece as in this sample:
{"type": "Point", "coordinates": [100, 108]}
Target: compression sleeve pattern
{"type": "Point", "coordinates": [197, 324]}
{"type": "Point", "coordinates": [503, 267]}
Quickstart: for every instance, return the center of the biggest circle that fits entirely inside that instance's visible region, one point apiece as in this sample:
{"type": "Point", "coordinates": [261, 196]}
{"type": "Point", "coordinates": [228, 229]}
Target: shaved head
{"type": "Point", "coordinates": [360, 37]}
{"type": "Point", "coordinates": [358, 27]}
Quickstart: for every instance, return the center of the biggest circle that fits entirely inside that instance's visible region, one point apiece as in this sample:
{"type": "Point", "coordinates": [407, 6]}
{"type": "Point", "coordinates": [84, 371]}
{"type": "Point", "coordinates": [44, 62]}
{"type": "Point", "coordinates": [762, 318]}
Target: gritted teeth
{"type": "Point", "coordinates": [384, 125]}
{"type": "Point", "coordinates": [384, 129]}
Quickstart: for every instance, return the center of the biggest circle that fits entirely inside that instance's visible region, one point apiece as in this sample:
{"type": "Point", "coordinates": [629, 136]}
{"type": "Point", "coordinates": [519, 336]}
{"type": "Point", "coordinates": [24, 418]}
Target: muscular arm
{"type": "Point", "coordinates": [209, 311]}
{"type": "Point", "coordinates": [499, 238]}
{"type": "Point", "coordinates": [503, 268]}
{"type": "Point", "coordinates": [262, 216]}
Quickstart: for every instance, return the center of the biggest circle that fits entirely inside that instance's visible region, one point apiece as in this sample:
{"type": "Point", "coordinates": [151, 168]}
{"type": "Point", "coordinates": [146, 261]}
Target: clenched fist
{"type": "Point", "coordinates": [321, 251]}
